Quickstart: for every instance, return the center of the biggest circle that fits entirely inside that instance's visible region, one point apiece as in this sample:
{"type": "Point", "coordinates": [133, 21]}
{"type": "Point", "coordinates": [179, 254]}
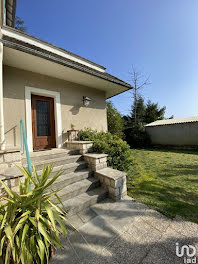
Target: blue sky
{"type": "Point", "coordinates": [159, 37]}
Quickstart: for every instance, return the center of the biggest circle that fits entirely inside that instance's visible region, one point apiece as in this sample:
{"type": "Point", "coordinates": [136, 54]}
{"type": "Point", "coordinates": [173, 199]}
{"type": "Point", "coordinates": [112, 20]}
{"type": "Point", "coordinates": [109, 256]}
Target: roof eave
{"type": "Point", "coordinates": [63, 61]}
{"type": "Point", "coordinates": [10, 6]}
{"type": "Point", "coordinates": [28, 36]}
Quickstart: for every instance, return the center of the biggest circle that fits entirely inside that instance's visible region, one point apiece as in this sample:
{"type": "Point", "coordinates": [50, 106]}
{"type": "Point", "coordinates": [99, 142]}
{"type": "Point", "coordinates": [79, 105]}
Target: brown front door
{"type": "Point", "coordinates": [43, 123]}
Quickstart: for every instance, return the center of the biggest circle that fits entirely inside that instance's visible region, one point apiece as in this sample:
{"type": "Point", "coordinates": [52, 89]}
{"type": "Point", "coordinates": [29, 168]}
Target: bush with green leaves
{"type": "Point", "coordinates": [137, 137]}
{"type": "Point", "coordinates": [30, 221]}
{"type": "Point", "coordinates": [114, 120]}
{"type": "Point", "coordinates": [118, 151]}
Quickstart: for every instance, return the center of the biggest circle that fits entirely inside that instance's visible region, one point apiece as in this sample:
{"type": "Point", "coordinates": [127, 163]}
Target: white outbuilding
{"type": "Point", "coordinates": [174, 132]}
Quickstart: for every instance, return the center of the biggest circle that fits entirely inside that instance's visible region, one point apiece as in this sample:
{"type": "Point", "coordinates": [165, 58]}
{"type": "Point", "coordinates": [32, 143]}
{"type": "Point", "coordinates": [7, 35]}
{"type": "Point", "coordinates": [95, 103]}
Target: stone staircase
{"type": "Point", "coordinates": [85, 181]}
{"type": "Point", "coordinates": [78, 187]}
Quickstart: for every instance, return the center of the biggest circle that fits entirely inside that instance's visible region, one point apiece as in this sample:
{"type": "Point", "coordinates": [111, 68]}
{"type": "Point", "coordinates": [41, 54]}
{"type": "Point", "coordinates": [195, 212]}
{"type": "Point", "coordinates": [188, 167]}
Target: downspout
{"type": "Point", "coordinates": [2, 135]}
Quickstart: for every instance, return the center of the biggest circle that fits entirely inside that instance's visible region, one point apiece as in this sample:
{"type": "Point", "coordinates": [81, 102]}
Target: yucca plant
{"type": "Point", "coordinates": [30, 221]}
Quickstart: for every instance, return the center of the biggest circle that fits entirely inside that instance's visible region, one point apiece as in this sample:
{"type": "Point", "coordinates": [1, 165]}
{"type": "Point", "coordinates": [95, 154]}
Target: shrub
{"type": "Point", "coordinates": [114, 120]}
{"type": "Point", "coordinates": [137, 137]}
{"type": "Point", "coordinates": [119, 156]}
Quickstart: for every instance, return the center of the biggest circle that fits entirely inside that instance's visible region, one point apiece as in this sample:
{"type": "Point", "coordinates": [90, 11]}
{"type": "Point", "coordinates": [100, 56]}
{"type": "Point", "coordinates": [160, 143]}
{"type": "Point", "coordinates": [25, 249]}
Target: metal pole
{"type": "Point", "coordinates": [26, 148]}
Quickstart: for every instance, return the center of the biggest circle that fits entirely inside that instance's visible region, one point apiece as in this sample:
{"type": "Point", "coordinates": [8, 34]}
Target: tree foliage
{"type": "Point", "coordinates": [114, 120]}
{"type": "Point", "coordinates": [153, 112]}
{"type": "Point", "coordinates": [141, 114]}
{"type": "Point", "coordinates": [138, 110]}
{"type": "Point", "coordinates": [20, 24]}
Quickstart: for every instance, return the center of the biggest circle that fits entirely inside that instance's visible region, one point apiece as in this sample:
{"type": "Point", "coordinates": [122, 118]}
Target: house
{"type": "Point", "coordinates": [44, 85]}
{"type": "Point", "coordinates": [52, 90]}
{"type": "Point", "coordinates": [174, 132]}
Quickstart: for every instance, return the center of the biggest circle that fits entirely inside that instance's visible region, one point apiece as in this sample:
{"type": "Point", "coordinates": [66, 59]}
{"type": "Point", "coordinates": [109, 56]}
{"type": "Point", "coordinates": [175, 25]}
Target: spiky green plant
{"type": "Point", "coordinates": [30, 222]}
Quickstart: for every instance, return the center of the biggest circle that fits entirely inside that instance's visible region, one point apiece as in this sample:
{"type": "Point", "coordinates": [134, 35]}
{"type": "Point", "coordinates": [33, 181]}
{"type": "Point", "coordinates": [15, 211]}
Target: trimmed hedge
{"type": "Point", "coordinates": [119, 155]}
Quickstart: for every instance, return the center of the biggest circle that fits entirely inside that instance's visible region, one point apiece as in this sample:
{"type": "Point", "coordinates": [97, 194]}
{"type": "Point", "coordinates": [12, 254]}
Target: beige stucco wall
{"type": "Point", "coordinates": [176, 134]}
{"type": "Point", "coordinates": [71, 94]}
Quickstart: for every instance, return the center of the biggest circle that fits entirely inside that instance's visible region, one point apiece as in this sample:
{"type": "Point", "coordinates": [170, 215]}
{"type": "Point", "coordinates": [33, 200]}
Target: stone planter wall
{"type": "Point", "coordinates": [96, 161]}
{"type": "Point", "coordinates": [8, 158]}
{"type": "Point", "coordinates": [11, 178]}
{"type": "Point", "coordinates": [114, 182]}
{"type": "Point", "coordinates": [82, 146]}
{"type": "Point", "coordinates": [12, 183]}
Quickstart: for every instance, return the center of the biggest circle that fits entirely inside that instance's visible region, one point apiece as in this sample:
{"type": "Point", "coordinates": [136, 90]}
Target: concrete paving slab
{"type": "Point", "coordinates": [143, 232]}
{"type": "Point", "coordinates": [184, 227]}
{"type": "Point", "coordinates": [65, 255]}
{"type": "Point", "coordinates": [86, 215]}
{"type": "Point", "coordinates": [105, 257]}
{"type": "Point", "coordinates": [170, 238]}
{"type": "Point", "coordinates": [156, 220]}
{"type": "Point", "coordinates": [129, 252]}
{"type": "Point", "coordinates": [121, 214]}
{"type": "Point", "coordinates": [98, 233]}
{"type": "Point", "coordinates": [81, 248]}
{"type": "Point", "coordinates": [159, 255]}
{"type": "Point", "coordinates": [125, 232]}
{"type": "Point", "coordinates": [76, 221]}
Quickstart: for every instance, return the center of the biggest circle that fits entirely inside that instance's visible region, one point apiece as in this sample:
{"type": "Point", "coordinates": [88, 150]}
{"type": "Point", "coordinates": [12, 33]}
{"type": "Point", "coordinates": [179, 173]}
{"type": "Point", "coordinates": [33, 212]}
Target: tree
{"type": "Point", "coordinates": [20, 24]}
{"type": "Point", "coordinates": [138, 110]}
{"type": "Point", "coordinates": [134, 131]}
{"type": "Point", "coordinates": [114, 120]}
{"type": "Point", "coordinates": [153, 112]}
{"type": "Point", "coordinates": [138, 81]}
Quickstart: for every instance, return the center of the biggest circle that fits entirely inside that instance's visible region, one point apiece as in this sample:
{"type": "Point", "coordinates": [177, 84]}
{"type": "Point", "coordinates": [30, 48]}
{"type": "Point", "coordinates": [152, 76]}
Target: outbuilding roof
{"type": "Point", "coordinates": [164, 122]}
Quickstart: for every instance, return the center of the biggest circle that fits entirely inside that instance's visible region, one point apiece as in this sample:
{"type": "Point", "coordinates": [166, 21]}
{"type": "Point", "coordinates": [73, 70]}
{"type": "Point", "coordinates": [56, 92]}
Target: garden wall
{"type": "Point", "coordinates": [185, 134]}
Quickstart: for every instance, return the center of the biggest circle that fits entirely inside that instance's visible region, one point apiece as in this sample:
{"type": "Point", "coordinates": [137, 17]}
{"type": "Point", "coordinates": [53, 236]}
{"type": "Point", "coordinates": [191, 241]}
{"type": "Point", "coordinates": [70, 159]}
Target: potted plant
{"type": "Point", "coordinates": [72, 127]}
{"type": "Point", "coordinates": [73, 133]}
{"type": "Point", "coordinates": [30, 221]}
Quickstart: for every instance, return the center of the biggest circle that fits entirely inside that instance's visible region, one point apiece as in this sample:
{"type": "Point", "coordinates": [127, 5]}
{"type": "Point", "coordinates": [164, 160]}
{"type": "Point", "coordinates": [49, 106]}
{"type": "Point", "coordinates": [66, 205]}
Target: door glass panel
{"type": "Point", "coordinates": [43, 118]}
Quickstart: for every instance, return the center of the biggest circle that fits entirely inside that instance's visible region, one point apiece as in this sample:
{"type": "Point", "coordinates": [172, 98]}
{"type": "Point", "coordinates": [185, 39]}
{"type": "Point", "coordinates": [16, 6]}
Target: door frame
{"type": "Point", "coordinates": [28, 113]}
{"type": "Point", "coordinates": [48, 141]}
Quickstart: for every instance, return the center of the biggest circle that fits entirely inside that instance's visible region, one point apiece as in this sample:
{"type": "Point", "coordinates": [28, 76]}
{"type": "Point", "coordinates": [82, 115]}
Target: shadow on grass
{"type": "Point", "coordinates": [171, 150]}
{"type": "Point", "coordinates": [167, 199]}
{"type": "Point", "coordinates": [170, 187]}
{"type": "Point", "coordinates": [179, 170]}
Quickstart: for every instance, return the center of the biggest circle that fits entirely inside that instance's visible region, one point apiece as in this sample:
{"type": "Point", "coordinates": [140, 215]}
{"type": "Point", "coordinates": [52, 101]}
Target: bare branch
{"type": "Point", "coordinates": [138, 81]}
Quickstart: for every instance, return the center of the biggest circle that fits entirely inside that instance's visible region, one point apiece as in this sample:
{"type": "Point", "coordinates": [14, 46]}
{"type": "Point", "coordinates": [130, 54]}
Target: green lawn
{"type": "Point", "coordinates": [166, 180]}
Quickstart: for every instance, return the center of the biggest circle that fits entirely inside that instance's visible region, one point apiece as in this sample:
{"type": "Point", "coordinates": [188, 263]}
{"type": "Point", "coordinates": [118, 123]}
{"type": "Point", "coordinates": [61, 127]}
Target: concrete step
{"type": "Point", "coordinates": [57, 161]}
{"type": "Point", "coordinates": [68, 168]}
{"type": "Point", "coordinates": [49, 154]}
{"type": "Point", "coordinates": [70, 178]}
{"type": "Point", "coordinates": [12, 173]}
{"type": "Point", "coordinates": [85, 200]}
{"type": "Point", "coordinates": [77, 188]}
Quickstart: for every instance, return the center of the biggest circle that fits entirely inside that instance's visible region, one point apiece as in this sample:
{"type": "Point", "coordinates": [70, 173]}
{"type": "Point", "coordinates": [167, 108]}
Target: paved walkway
{"type": "Point", "coordinates": [125, 232]}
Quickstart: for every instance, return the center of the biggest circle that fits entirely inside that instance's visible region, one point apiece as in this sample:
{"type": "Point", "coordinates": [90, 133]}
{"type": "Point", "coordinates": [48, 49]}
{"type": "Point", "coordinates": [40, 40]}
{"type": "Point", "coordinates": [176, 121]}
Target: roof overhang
{"type": "Point", "coordinates": [10, 6]}
{"type": "Point", "coordinates": [23, 55]}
